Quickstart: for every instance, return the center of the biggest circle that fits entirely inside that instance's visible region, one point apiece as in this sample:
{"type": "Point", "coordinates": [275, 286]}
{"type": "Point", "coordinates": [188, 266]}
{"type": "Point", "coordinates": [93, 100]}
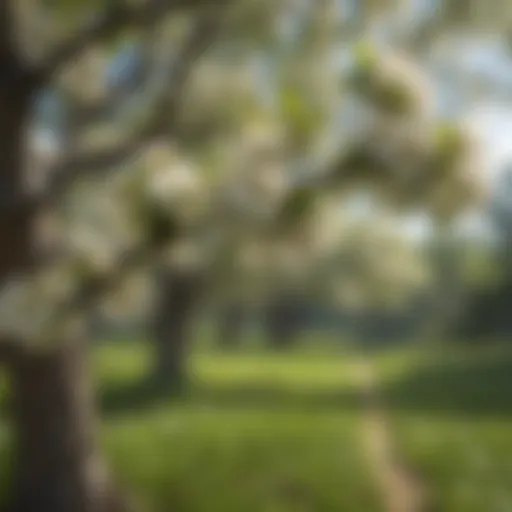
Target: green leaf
{"type": "Point", "coordinates": [365, 56]}
{"type": "Point", "coordinates": [298, 205]}
{"type": "Point", "coordinates": [449, 139]}
{"type": "Point", "coordinates": [300, 115]}
{"type": "Point", "coordinates": [394, 97]}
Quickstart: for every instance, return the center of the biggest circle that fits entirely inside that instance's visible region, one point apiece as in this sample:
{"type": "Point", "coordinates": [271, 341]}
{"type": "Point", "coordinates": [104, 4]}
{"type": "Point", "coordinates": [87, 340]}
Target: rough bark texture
{"type": "Point", "coordinates": [177, 298]}
{"type": "Point", "coordinates": [57, 466]}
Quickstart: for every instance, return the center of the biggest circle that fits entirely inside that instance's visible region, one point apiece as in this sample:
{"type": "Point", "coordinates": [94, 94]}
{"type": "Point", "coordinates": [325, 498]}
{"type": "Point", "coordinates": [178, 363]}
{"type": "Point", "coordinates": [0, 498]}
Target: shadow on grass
{"type": "Point", "coordinates": [144, 395]}
{"type": "Point", "coordinates": [468, 386]}
{"type": "Point", "coordinates": [272, 398]}
{"type": "Point", "coordinates": [136, 395]}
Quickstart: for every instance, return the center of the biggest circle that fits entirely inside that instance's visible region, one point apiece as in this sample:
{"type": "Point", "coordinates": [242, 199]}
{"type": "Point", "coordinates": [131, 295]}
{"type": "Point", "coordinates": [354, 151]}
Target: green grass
{"type": "Point", "coordinates": [256, 433]}
{"type": "Point", "coordinates": [280, 432]}
{"type": "Point", "coordinates": [452, 412]}
{"type": "Point", "coordinates": [211, 461]}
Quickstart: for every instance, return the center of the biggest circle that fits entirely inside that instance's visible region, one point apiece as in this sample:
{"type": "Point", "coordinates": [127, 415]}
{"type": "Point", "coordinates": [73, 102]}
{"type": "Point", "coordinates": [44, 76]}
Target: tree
{"type": "Point", "coordinates": [58, 464]}
{"type": "Point", "coordinates": [231, 321]}
{"type": "Point", "coordinates": [395, 152]}
{"type": "Point", "coordinates": [487, 290]}
{"type": "Point", "coordinates": [410, 161]}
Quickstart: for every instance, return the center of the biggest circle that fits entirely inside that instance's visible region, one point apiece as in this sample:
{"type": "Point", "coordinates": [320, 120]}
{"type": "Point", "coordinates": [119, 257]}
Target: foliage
{"type": "Point", "coordinates": [262, 104]}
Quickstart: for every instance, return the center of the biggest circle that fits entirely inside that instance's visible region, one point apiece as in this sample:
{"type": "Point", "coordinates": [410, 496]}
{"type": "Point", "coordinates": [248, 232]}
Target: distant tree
{"type": "Point", "coordinates": [488, 294]}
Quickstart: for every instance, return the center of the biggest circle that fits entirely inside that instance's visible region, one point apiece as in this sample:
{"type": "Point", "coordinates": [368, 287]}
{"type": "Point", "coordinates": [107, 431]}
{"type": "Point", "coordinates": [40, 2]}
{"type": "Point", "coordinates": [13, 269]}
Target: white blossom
{"type": "Point", "coordinates": [29, 305]}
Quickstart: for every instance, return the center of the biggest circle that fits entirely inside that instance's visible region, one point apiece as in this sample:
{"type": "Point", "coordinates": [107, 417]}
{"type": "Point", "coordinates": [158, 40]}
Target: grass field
{"type": "Point", "coordinates": [270, 432]}
{"type": "Point", "coordinates": [261, 433]}
{"type": "Point", "coordinates": [255, 433]}
{"type": "Point", "coordinates": [452, 415]}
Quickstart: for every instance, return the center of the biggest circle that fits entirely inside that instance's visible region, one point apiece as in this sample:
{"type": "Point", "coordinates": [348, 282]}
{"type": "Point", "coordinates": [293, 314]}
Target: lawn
{"type": "Point", "coordinates": [281, 432]}
{"type": "Point", "coordinates": [452, 415]}
{"type": "Point", "coordinates": [256, 432]}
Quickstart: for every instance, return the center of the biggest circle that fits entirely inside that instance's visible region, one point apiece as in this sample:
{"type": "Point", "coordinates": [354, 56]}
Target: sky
{"type": "Point", "coordinates": [493, 123]}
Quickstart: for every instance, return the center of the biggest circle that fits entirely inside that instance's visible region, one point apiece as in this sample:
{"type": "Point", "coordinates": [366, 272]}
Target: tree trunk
{"type": "Point", "coordinates": [16, 216]}
{"type": "Point", "coordinates": [283, 322]}
{"type": "Point", "coordinates": [173, 320]}
{"type": "Point", "coordinates": [58, 466]}
{"type": "Point", "coordinates": [230, 326]}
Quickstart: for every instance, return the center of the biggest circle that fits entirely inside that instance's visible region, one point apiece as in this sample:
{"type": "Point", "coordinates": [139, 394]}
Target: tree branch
{"type": "Point", "coordinates": [80, 303]}
{"type": "Point", "coordinates": [93, 288]}
{"type": "Point", "coordinates": [10, 349]}
{"type": "Point", "coordinates": [6, 19]}
{"type": "Point", "coordinates": [163, 118]}
{"type": "Point", "coordinates": [121, 15]}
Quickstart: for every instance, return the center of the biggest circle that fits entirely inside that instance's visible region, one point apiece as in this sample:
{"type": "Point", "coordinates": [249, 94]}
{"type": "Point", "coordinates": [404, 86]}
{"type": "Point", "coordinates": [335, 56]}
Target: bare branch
{"type": "Point", "coordinates": [121, 15]}
{"type": "Point", "coordinates": [164, 113]}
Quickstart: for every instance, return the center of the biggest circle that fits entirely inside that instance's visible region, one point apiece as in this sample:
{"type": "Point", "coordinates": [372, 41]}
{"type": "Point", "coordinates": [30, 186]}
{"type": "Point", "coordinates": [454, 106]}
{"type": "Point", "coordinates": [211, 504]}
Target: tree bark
{"type": "Point", "coordinates": [283, 322]}
{"type": "Point", "coordinates": [58, 466]}
{"type": "Point", "coordinates": [177, 298]}
{"type": "Point", "coordinates": [16, 215]}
